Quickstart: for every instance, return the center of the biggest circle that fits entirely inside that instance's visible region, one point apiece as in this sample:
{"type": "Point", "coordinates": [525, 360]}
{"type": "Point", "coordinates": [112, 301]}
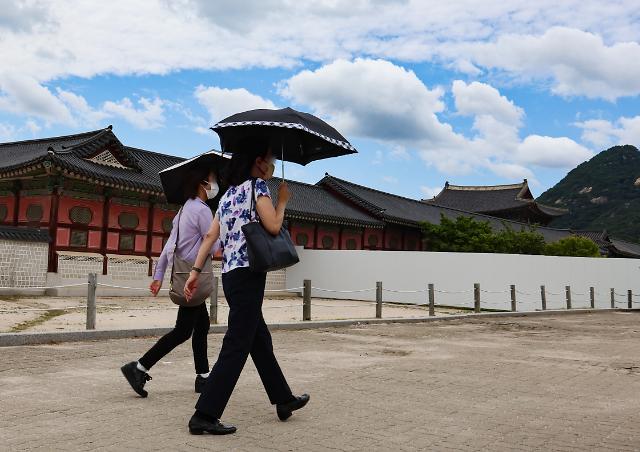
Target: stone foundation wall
{"type": "Point", "coordinates": [23, 264]}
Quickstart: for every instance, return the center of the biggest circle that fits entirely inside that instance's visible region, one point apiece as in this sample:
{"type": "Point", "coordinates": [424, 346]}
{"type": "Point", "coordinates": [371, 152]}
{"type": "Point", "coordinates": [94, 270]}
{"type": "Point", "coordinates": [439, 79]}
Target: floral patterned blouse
{"type": "Point", "coordinates": [234, 211]}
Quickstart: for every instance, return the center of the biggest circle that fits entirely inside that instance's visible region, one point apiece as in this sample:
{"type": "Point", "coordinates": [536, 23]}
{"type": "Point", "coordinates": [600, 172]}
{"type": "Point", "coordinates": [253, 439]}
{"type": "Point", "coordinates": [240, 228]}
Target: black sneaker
{"type": "Point", "coordinates": [200, 382]}
{"type": "Point", "coordinates": [136, 378]}
{"type": "Point", "coordinates": [285, 410]}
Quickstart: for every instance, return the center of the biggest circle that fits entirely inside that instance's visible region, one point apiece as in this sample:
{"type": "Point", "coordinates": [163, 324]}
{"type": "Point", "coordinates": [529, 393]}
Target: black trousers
{"type": "Point", "coordinates": [247, 334]}
{"type": "Point", "coordinates": [191, 321]}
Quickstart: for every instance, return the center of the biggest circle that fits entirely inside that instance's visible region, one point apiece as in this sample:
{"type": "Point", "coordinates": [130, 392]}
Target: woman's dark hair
{"type": "Point", "coordinates": [193, 179]}
{"type": "Point", "coordinates": [245, 152]}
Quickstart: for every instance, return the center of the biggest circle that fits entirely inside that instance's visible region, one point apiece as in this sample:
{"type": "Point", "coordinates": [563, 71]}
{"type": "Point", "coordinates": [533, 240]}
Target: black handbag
{"type": "Point", "coordinates": [267, 252]}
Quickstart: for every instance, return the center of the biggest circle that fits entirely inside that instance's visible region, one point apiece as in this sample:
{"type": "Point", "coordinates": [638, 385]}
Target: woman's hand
{"type": "Point", "coordinates": [284, 194]}
{"type": "Point", "coordinates": [155, 287]}
{"type": "Point", "coordinates": [191, 285]}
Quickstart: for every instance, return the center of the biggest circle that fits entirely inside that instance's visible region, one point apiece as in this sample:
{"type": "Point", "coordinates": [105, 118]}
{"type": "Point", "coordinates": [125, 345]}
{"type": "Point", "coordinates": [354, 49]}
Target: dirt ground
{"type": "Point", "coordinates": [549, 383]}
{"type": "Point", "coordinates": [68, 314]}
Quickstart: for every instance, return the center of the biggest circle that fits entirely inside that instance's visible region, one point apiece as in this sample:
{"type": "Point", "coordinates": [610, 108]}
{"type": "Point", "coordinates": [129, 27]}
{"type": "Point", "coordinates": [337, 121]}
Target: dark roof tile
{"type": "Point", "coordinates": [22, 234]}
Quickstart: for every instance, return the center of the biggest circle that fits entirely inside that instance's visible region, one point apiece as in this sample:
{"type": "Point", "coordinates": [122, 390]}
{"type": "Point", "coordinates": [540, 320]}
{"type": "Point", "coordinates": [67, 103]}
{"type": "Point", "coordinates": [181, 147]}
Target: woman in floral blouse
{"type": "Point", "coordinates": [247, 332]}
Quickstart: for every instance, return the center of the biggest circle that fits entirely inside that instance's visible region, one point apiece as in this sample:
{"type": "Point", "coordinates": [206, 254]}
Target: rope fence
{"type": "Point", "coordinates": [515, 297]}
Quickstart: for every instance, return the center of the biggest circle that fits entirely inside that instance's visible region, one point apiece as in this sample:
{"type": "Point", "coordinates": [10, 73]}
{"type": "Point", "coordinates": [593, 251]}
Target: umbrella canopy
{"type": "Point", "coordinates": [173, 178]}
{"type": "Point", "coordinates": [295, 136]}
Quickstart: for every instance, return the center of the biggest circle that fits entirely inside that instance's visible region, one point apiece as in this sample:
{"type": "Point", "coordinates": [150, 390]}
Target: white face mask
{"type": "Point", "coordinates": [212, 192]}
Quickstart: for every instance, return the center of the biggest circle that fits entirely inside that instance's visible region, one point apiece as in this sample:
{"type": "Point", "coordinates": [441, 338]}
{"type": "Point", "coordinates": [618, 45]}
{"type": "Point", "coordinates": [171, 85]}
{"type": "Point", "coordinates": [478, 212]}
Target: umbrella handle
{"type": "Point", "coordinates": [283, 162]}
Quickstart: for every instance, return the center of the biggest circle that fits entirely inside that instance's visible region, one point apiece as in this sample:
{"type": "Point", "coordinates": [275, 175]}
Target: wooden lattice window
{"type": "Point", "coordinates": [373, 241]}
{"type": "Point", "coordinates": [327, 242]}
{"type": "Point", "coordinates": [167, 225]}
{"type": "Point", "coordinates": [302, 239]}
{"type": "Point", "coordinates": [79, 239]}
{"type": "Point", "coordinates": [128, 220]}
{"type": "Point", "coordinates": [351, 244]}
{"type": "Point", "coordinates": [126, 242]}
{"type": "Point", "coordinates": [80, 215]}
{"type": "Point", "coordinates": [34, 212]}
{"type": "Point", "coordinates": [3, 212]}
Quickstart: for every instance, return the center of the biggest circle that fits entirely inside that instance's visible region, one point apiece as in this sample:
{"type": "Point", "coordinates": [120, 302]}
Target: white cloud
{"type": "Point", "coordinates": [528, 40]}
{"type": "Point", "coordinates": [552, 152]}
{"type": "Point", "coordinates": [577, 62]}
{"type": "Point", "coordinates": [429, 192]}
{"type": "Point", "coordinates": [149, 114]}
{"type": "Point", "coordinates": [7, 132]}
{"type": "Point", "coordinates": [603, 133]}
{"type": "Point", "coordinates": [21, 16]}
{"type": "Point", "coordinates": [480, 99]}
{"type": "Point", "coordinates": [223, 102]}
{"type": "Point", "coordinates": [25, 96]}
{"type": "Point", "coordinates": [370, 98]}
{"type": "Point", "coordinates": [390, 179]}
{"type": "Point", "coordinates": [378, 100]}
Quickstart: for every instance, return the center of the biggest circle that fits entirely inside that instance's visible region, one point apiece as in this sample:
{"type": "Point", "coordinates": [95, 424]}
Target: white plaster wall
{"type": "Point", "coordinates": [457, 272]}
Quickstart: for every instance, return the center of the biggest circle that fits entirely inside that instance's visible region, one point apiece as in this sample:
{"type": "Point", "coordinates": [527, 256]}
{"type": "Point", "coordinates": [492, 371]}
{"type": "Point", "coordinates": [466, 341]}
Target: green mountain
{"type": "Point", "coordinates": [602, 193]}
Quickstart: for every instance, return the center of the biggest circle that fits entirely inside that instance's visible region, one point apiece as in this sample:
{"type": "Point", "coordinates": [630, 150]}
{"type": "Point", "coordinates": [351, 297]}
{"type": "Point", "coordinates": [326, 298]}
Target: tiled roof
{"type": "Point", "coordinates": [316, 203]}
{"type": "Point", "coordinates": [72, 154]}
{"type": "Point", "coordinates": [600, 238]}
{"type": "Point", "coordinates": [410, 212]}
{"type": "Point", "coordinates": [624, 248]}
{"type": "Point", "coordinates": [490, 198]}
{"type": "Point", "coordinates": [22, 234]}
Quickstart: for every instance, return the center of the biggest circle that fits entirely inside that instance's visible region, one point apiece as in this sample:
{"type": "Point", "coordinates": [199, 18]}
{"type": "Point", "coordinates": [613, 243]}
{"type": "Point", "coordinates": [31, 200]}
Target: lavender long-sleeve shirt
{"type": "Point", "coordinates": [194, 223]}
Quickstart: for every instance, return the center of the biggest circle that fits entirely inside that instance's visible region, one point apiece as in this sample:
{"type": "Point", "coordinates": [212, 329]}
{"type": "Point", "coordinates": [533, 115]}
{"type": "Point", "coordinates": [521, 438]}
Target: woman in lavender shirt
{"type": "Point", "coordinates": [195, 220]}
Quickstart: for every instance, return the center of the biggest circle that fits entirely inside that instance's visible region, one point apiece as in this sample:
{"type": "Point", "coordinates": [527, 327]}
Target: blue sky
{"type": "Point", "coordinates": [426, 92]}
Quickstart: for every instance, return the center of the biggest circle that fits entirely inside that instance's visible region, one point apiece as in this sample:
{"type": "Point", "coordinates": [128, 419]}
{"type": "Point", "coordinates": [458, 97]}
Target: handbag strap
{"type": "Point", "coordinates": [175, 245]}
{"type": "Point", "coordinates": [254, 201]}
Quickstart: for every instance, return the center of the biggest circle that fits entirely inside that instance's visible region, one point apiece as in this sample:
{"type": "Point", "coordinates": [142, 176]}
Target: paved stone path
{"type": "Point", "coordinates": [540, 383]}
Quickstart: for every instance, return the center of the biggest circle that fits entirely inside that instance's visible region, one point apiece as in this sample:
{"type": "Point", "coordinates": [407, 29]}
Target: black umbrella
{"type": "Point", "coordinates": [300, 137]}
{"type": "Point", "coordinates": [173, 178]}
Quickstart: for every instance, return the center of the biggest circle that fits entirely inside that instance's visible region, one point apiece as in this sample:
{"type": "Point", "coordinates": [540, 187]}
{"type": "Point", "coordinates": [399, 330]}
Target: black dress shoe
{"type": "Point", "coordinates": [136, 378]}
{"type": "Point", "coordinates": [199, 426]}
{"type": "Point", "coordinates": [285, 409]}
{"type": "Point", "coordinates": [200, 382]}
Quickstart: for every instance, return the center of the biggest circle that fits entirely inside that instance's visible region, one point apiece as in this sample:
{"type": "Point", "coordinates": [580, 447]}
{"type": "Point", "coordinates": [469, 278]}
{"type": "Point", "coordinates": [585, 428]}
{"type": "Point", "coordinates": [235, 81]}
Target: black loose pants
{"type": "Point", "coordinates": [190, 320]}
{"type": "Point", "coordinates": [247, 334]}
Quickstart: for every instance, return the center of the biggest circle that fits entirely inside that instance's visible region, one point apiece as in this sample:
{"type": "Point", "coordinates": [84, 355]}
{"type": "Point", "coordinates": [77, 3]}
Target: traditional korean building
{"type": "Point", "coordinates": [512, 202]}
{"type": "Point", "coordinates": [84, 203]}
{"type": "Point", "coordinates": [100, 201]}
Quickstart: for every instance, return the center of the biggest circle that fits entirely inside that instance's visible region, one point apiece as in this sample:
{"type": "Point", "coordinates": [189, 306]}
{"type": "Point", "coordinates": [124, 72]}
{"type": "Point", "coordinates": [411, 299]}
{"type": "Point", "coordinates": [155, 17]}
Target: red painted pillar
{"type": "Point", "coordinates": [16, 208]}
{"type": "Point", "coordinates": [150, 213]}
{"type": "Point", "coordinates": [52, 265]}
{"type": "Point", "coordinates": [105, 226]}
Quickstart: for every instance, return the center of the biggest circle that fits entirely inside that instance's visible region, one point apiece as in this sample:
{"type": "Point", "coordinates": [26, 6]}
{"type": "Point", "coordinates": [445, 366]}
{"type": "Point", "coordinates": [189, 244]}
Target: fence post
{"type": "Point", "coordinates": [378, 299]}
{"type": "Point", "coordinates": [91, 301]}
{"type": "Point", "coordinates": [306, 303]}
{"type": "Point", "coordinates": [613, 298]}
{"type": "Point", "coordinates": [213, 312]}
{"type": "Point", "coordinates": [629, 299]}
{"type": "Point", "coordinates": [543, 297]}
{"type": "Point", "coordinates": [567, 290]}
{"type": "Point", "coordinates": [513, 298]}
{"type": "Point", "coordinates": [592, 297]}
{"type": "Point", "coordinates": [432, 301]}
{"type": "Point", "coordinates": [476, 297]}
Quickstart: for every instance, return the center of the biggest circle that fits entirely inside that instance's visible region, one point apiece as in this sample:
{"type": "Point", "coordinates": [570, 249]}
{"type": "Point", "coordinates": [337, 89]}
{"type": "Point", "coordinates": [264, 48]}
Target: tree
{"type": "Point", "coordinates": [467, 235]}
{"type": "Point", "coordinates": [573, 246]}
{"type": "Point", "coordinates": [464, 235]}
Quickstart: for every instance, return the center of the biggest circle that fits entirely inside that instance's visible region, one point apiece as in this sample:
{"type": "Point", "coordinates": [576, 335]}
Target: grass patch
{"type": "Point", "coordinates": [45, 316]}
